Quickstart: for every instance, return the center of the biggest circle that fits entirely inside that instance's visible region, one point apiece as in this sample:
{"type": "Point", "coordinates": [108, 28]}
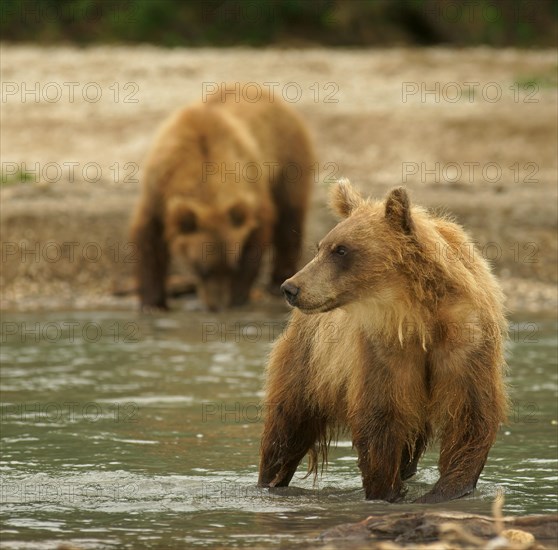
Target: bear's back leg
{"type": "Point", "coordinates": [290, 189]}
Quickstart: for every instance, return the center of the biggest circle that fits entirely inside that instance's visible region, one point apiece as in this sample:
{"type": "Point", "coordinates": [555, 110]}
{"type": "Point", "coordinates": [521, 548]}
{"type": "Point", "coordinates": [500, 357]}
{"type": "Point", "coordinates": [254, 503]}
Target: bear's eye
{"type": "Point", "coordinates": [340, 250]}
{"type": "Point", "coordinates": [188, 223]}
{"type": "Point", "coordinates": [237, 215]}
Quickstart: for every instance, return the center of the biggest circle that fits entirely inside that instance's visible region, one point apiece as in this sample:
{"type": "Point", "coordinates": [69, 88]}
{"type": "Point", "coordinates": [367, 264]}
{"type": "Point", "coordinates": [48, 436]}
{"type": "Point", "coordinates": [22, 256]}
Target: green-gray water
{"type": "Point", "coordinates": [121, 431]}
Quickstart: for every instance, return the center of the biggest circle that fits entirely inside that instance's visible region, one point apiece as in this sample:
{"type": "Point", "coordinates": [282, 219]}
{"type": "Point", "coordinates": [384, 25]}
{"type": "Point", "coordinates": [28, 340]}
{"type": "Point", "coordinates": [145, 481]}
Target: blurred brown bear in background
{"type": "Point", "coordinates": [225, 180]}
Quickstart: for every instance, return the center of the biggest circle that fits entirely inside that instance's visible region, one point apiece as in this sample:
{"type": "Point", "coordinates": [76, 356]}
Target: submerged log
{"type": "Point", "coordinates": [449, 530]}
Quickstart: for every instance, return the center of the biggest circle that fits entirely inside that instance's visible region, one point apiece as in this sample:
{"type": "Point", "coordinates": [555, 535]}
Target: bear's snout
{"type": "Point", "coordinates": [290, 291]}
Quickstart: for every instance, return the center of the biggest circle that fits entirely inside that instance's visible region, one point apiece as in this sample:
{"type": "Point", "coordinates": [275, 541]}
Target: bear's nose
{"type": "Point", "coordinates": [290, 291]}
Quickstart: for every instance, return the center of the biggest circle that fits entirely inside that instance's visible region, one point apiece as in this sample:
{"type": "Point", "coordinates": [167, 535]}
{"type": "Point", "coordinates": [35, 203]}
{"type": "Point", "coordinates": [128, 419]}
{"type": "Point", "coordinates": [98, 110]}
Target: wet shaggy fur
{"type": "Point", "coordinates": [398, 336]}
{"type": "Point", "coordinates": [225, 180]}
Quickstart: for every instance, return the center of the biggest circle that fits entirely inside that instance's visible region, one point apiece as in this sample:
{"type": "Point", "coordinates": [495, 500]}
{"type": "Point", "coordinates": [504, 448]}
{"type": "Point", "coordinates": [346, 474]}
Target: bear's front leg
{"type": "Point", "coordinates": [387, 416]}
{"type": "Point", "coordinates": [462, 458]}
{"type": "Point", "coordinates": [153, 259]}
{"type": "Point", "coordinates": [293, 421]}
{"type": "Point", "coordinates": [287, 241]}
{"type": "Point", "coordinates": [247, 268]}
{"type": "Point", "coordinates": [473, 404]}
{"type": "Point", "coordinates": [412, 452]}
{"type": "Point", "coordinates": [379, 451]}
{"type": "Point", "coordinates": [465, 444]}
{"type": "Point", "coordinates": [287, 437]}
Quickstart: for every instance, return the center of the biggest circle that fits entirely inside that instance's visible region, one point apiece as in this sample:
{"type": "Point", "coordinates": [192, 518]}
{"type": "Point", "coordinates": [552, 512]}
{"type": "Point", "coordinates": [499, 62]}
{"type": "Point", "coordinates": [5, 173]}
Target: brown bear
{"type": "Point", "coordinates": [224, 180]}
{"type": "Point", "coordinates": [398, 335]}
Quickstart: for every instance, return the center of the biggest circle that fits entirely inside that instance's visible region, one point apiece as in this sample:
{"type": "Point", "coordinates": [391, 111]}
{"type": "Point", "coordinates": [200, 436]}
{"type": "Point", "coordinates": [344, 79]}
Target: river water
{"type": "Point", "coordinates": [124, 431]}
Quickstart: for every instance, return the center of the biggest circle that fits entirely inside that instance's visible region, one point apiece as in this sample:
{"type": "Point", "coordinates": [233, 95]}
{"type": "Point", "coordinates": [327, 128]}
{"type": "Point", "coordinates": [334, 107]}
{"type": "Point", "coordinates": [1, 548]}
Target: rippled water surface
{"type": "Point", "coordinates": [126, 432]}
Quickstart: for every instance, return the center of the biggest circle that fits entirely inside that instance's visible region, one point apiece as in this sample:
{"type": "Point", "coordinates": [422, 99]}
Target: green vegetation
{"type": "Point", "coordinates": [171, 23]}
{"type": "Point", "coordinates": [14, 178]}
{"type": "Point", "coordinates": [547, 80]}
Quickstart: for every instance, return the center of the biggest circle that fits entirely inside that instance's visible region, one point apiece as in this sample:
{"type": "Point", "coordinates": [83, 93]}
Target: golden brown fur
{"type": "Point", "coordinates": [223, 181]}
{"type": "Point", "coordinates": [398, 335]}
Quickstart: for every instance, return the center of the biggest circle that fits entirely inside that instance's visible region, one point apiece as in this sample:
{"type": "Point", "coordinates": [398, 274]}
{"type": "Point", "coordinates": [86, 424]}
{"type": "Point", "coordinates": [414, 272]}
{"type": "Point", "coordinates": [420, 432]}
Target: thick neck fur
{"type": "Point", "coordinates": [392, 319]}
{"type": "Point", "coordinates": [423, 284]}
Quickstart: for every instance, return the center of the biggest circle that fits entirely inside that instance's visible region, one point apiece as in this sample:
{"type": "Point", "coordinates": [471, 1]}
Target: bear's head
{"type": "Point", "coordinates": [209, 240]}
{"type": "Point", "coordinates": [360, 257]}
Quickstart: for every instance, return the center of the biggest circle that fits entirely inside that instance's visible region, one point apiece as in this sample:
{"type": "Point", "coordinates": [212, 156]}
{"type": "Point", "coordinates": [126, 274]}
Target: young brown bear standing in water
{"type": "Point", "coordinates": [224, 179]}
{"type": "Point", "coordinates": [398, 335]}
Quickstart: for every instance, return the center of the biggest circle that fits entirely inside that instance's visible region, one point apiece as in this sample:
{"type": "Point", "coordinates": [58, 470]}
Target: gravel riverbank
{"type": "Point", "coordinates": [430, 119]}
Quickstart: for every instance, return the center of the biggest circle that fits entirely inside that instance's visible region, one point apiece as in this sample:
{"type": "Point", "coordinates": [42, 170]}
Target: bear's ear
{"type": "Point", "coordinates": [344, 198]}
{"type": "Point", "coordinates": [398, 210]}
